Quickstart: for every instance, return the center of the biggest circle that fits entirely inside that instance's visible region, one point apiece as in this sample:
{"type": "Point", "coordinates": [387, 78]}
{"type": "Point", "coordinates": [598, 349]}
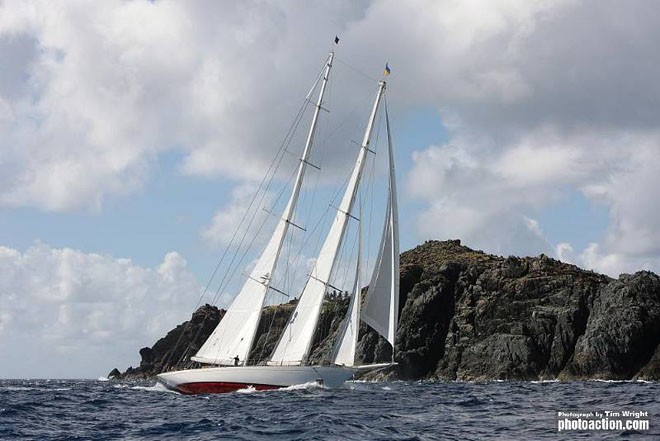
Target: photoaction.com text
{"type": "Point", "coordinates": [603, 420]}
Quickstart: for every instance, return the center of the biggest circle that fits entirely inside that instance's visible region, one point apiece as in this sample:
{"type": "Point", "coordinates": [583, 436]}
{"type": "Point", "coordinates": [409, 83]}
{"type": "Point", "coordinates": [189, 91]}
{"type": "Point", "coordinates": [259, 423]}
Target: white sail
{"type": "Point", "coordinates": [381, 307]}
{"type": "Point", "coordinates": [234, 335]}
{"type": "Point", "coordinates": [344, 353]}
{"type": "Point", "coordinates": [296, 340]}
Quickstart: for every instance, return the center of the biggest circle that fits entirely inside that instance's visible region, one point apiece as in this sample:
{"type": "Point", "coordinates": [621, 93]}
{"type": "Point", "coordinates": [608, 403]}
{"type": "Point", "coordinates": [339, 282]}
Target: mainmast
{"type": "Point", "coordinates": [296, 340]}
{"type": "Point", "coordinates": [234, 335]}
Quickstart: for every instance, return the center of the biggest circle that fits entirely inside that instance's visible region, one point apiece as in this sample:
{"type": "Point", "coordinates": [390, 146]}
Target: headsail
{"type": "Point", "coordinates": [234, 335]}
{"type": "Point", "coordinates": [344, 351]}
{"type": "Point", "coordinates": [296, 340]}
{"type": "Point", "coordinates": [381, 307]}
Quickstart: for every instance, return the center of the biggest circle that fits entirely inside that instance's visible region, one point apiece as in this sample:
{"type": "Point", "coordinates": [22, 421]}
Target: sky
{"type": "Point", "coordinates": [133, 132]}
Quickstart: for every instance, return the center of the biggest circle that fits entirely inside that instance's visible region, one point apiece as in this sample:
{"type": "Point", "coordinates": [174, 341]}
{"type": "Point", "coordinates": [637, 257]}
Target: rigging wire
{"type": "Point", "coordinates": [371, 198]}
{"type": "Point", "coordinates": [283, 148]}
{"type": "Point", "coordinates": [324, 218]}
{"type": "Point", "coordinates": [357, 70]}
{"type": "Point", "coordinates": [267, 180]}
{"type": "Point", "coordinates": [231, 269]}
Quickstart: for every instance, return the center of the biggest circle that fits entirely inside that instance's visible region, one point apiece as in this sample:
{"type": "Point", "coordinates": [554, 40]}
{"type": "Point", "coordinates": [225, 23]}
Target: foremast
{"type": "Point", "coordinates": [234, 335]}
{"type": "Point", "coordinates": [295, 343]}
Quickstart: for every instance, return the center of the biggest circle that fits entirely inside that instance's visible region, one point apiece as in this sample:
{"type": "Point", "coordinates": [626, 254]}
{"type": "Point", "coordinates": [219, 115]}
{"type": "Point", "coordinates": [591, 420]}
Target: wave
{"type": "Point", "coordinates": [304, 386]}
{"type": "Point", "coordinates": [25, 388]}
{"type": "Point", "coordinates": [158, 387]}
{"type": "Point", "coordinates": [410, 410]}
{"type": "Point", "coordinates": [18, 388]}
{"type": "Point", "coordinates": [247, 390]}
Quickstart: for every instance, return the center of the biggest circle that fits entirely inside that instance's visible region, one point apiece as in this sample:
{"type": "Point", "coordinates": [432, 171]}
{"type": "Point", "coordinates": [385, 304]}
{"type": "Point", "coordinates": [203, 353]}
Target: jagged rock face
{"type": "Point", "coordinates": [424, 320]}
{"type": "Point", "coordinates": [272, 322]}
{"type": "Point", "coordinates": [515, 318]}
{"type": "Point", "coordinates": [175, 349]}
{"type": "Point", "coordinates": [467, 315]}
{"type": "Point", "coordinates": [524, 318]}
{"type": "Point", "coordinates": [651, 371]}
{"type": "Point", "coordinates": [623, 330]}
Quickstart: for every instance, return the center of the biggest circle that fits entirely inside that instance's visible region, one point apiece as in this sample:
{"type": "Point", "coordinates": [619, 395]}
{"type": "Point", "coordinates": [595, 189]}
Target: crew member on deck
{"type": "Point", "coordinates": [236, 360]}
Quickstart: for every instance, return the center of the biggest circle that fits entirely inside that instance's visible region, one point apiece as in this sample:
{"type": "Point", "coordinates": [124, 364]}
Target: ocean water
{"type": "Point", "coordinates": [106, 410]}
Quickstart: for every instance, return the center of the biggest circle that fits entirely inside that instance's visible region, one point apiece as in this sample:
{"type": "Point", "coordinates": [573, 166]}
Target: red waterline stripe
{"type": "Point", "coordinates": [219, 387]}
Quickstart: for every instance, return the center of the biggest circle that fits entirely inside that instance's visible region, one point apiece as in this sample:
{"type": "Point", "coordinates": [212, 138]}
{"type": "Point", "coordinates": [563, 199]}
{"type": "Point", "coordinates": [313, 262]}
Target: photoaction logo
{"type": "Point", "coordinates": [603, 420]}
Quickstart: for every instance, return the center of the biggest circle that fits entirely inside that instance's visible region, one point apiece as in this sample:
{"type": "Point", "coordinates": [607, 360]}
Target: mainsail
{"type": "Point", "coordinates": [296, 340]}
{"type": "Point", "coordinates": [234, 335]}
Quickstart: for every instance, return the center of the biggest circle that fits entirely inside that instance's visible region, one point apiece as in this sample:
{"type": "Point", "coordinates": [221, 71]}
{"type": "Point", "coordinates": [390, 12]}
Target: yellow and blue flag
{"type": "Point", "coordinates": [387, 70]}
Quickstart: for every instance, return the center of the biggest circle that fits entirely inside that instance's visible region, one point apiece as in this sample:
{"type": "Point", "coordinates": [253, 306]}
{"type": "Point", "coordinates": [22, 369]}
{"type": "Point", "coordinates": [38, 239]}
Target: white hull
{"type": "Point", "coordinates": [228, 379]}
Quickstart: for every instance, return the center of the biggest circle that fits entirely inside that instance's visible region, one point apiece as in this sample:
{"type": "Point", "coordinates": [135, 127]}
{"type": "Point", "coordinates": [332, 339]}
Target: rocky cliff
{"type": "Point", "coordinates": [467, 315]}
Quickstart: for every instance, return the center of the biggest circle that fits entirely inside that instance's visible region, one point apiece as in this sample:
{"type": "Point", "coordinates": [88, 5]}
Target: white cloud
{"type": "Point", "coordinates": [614, 263]}
{"type": "Point", "coordinates": [547, 98]}
{"type": "Point", "coordinates": [556, 94]}
{"type": "Point", "coordinates": [540, 99]}
{"type": "Point", "coordinates": [241, 218]}
{"type": "Point", "coordinates": [100, 90]}
{"type": "Point", "coordinates": [81, 314]}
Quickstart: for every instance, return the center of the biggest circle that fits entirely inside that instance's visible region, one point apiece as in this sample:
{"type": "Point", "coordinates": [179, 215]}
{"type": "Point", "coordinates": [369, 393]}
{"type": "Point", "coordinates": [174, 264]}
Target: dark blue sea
{"type": "Point", "coordinates": [105, 410]}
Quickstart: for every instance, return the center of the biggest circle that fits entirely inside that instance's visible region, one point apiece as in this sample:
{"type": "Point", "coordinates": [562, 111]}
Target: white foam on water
{"type": "Point", "coordinates": [303, 386]}
{"type": "Point", "coordinates": [18, 388]}
{"type": "Point", "coordinates": [102, 379]}
{"type": "Point", "coordinates": [25, 388]}
{"type": "Point", "coordinates": [248, 390]}
{"type": "Point", "coordinates": [158, 387]}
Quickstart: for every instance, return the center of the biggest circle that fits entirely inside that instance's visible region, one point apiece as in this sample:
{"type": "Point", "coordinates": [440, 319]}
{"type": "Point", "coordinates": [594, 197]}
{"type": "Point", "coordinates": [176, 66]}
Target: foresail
{"type": "Point", "coordinates": [232, 337]}
{"type": "Point", "coordinates": [234, 334]}
{"type": "Point", "coordinates": [344, 351]}
{"type": "Point", "coordinates": [381, 307]}
{"type": "Point", "coordinates": [296, 340]}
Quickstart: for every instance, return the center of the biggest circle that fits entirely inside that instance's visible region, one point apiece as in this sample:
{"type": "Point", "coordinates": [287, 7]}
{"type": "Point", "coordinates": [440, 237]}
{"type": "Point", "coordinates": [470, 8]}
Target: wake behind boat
{"type": "Point", "coordinates": [226, 351]}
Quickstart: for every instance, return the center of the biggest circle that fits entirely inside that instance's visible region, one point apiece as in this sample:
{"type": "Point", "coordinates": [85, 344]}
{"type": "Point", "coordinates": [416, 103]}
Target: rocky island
{"type": "Point", "coordinates": [468, 315]}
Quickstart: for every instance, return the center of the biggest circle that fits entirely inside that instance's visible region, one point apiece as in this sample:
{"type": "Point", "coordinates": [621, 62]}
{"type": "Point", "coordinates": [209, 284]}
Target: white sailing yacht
{"type": "Point", "coordinates": [226, 350]}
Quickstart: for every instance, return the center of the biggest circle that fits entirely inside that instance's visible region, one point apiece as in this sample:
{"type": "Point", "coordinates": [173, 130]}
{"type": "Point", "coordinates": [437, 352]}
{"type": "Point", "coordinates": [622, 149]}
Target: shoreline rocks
{"type": "Point", "coordinates": [467, 315]}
